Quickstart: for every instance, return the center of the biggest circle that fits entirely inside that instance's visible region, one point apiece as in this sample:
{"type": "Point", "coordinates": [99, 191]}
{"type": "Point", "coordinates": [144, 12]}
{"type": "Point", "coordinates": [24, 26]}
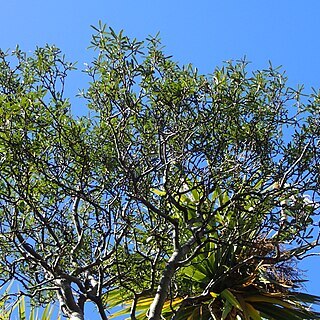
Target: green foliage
{"type": "Point", "coordinates": [17, 310]}
{"type": "Point", "coordinates": [226, 280]}
{"type": "Point", "coordinates": [188, 196]}
{"type": "Point", "coordinates": [34, 312]}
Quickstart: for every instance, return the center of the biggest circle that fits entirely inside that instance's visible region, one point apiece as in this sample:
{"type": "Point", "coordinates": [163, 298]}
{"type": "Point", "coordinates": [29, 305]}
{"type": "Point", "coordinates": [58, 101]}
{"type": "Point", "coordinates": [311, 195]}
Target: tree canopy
{"type": "Point", "coordinates": [179, 196]}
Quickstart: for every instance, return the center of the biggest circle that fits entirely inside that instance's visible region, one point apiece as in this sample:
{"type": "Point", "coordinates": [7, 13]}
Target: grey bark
{"type": "Point", "coordinates": [68, 304]}
{"type": "Point", "coordinates": [162, 290]}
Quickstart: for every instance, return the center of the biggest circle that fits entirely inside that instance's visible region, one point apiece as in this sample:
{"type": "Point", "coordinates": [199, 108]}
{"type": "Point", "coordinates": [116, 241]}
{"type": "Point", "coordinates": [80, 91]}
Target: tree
{"type": "Point", "coordinates": [190, 196]}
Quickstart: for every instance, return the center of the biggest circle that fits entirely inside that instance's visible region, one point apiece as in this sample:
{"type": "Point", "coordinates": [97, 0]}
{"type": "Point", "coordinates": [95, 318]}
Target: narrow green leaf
{"type": "Point", "coordinates": [22, 309]}
{"type": "Point", "coordinates": [226, 294]}
{"type": "Point", "coordinates": [226, 310]}
{"type": "Point", "coordinates": [252, 312]}
{"type": "Point", "coordinates": [158, 192]}
{"type": "Point", "coordinates": [194, 274]}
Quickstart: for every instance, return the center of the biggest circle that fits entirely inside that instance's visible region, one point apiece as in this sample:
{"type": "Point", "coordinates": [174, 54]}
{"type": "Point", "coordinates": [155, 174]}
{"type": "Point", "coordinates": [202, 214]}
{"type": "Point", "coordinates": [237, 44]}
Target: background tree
{"type": "Point", "coordinates": [190, 196]}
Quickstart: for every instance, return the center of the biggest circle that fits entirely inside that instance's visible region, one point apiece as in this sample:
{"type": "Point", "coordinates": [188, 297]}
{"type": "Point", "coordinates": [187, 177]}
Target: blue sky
{"type": "Point", "coordinates": [202, 32]}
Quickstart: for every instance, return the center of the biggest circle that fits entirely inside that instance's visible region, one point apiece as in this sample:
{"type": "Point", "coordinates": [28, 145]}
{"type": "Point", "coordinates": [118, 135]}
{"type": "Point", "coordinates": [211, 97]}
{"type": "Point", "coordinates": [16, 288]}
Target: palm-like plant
{"type": "Point", "coordinates": [17, 309]}
{"type": "Point", "coordinates": [244, 270]}
{"type": "Point", "coordinates": [242, 290]}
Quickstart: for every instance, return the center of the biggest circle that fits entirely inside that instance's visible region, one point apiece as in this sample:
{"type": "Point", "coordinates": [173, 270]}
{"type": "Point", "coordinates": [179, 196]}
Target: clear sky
{"type": "Point", "coordinates": [204, 32]}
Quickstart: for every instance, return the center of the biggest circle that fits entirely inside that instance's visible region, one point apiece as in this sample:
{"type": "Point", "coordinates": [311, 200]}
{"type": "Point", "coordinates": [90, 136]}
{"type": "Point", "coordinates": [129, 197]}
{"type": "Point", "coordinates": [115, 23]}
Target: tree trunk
{"type": "Point", "coordinates": [162, 291]}
{"type": "Point", "coordinates": [76, 316]}
{"type": "Point", "coordinates": [67, 301]}
{"type": "Point", "coordinates": [167, 275]}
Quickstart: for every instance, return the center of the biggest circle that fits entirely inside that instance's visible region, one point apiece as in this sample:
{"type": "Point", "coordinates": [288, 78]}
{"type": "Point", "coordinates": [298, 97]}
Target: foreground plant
{"type": "Point", "coordinates": [11, 310]}
{"type": "Point", "coordinates": [254, 277]}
